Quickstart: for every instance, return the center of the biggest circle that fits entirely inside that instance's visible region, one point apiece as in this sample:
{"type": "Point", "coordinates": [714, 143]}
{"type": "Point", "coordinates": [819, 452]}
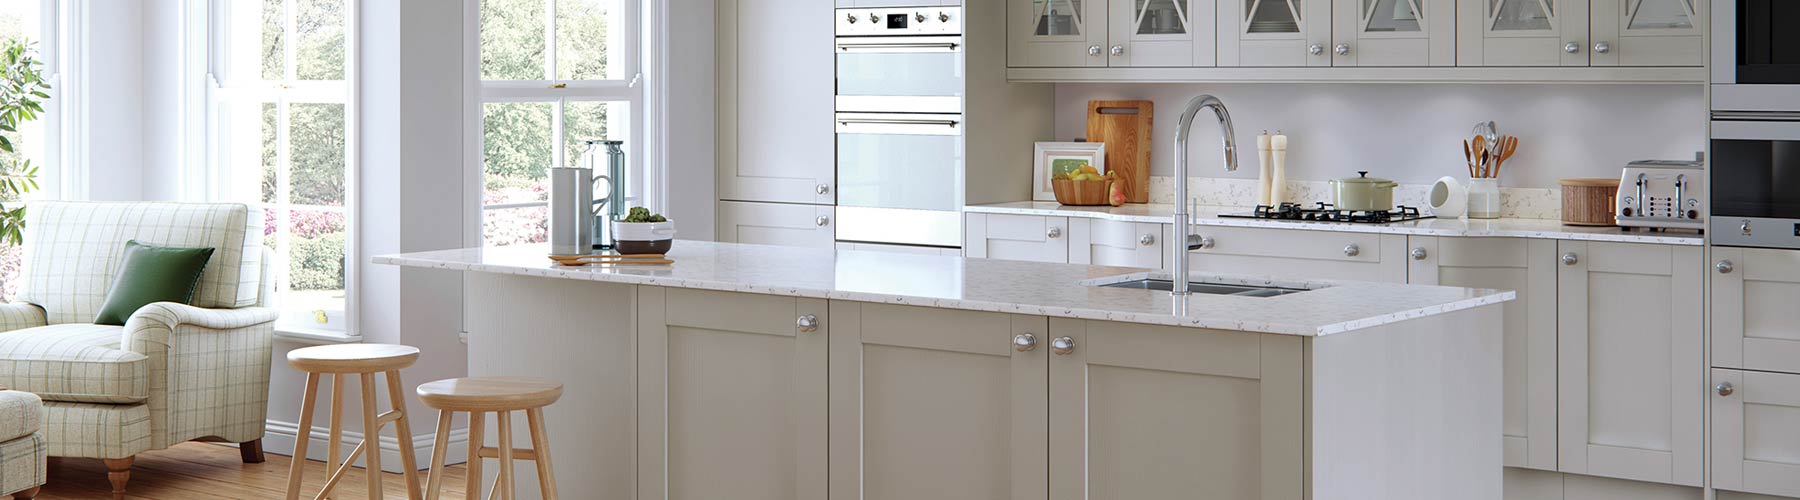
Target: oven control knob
{"type": "Point", "coordinates": [851, 18]}
{"type": "Point", "coordinates": [943, 17]}
{"type": "Point", "coordinates": [1693, 214]}
{"type": "Point", "coordinates": [1625, 211]}
{"type": "Point", "coordinates": [874, 18]}
{"type": "Point", "coordinates": [919, 16]}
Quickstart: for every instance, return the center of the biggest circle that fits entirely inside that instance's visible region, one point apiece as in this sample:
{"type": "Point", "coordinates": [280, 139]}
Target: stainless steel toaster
{"type": "Point", "coordinates": [1662, 194]}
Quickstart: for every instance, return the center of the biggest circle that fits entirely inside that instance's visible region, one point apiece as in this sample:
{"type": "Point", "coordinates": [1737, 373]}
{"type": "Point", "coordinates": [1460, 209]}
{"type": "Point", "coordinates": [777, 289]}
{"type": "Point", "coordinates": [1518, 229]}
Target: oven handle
{"type": "Point", "coordinates": [896, 121]}
{"type": "Point", "coordinates": [946, 46]}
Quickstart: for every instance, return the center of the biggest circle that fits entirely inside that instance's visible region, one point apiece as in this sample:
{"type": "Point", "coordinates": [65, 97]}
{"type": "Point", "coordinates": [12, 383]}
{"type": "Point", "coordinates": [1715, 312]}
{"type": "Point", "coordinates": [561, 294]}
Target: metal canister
{"type": "Point", "coordinates": [571, 211]}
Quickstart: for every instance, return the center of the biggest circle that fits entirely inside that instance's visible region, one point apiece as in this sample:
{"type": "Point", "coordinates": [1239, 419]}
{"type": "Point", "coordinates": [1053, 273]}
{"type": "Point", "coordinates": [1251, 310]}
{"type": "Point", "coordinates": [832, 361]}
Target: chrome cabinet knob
{"type": "Point", "coordinates": [1352, 250]}
{"type": "Point", "coordinates": [822, 189]}
{"type": "Point", "coordinates": [822, 220]}
{"type": "Point", "coordinates": [1602, 47]}
{"type": "Point", "coordinates": [850, 17]}
{"type": "Point", "coordinates": [1054, 232]}
{"type": "Point", "coordinates": [1572, 47]}
{"type": "Point", "coordinates": [1342, 49]}
{"type": "Point", "coordinates": [1118, 50]}
{"type": "Point", "coordinates": [919, 16]}
{"type": "Point", "coordinates": [1744, 228]}
{"type": "Point", "coordinates": [1024, 342]}
{"type": "Point", "coordinates": [943, 17]}
{"type": "Point", "coordinates": [1724, 388]}
{"type": "Point", "coordinates": [1093, 50]}
{"type": "Point", "coordinates": [1147, 240]}
{"type": "Point", "coordinates": [1206, 242]}
{"type": "Point", "coordinates": [807, 323]}
{"type": "Point", "coordinates": [1062, 346]}
{"type": "Point", "coordinates": [1316, 49]}
{"type": "Point", "coordinates": [1419, 253]}
{"type": "Point", "coordinates": [1570, 259]}
{"type": "Point", "coordinates": [1724, 267]}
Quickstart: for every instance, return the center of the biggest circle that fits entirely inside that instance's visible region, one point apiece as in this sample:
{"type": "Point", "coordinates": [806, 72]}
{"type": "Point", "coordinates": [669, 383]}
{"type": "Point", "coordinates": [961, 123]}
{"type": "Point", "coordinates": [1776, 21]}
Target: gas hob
{"type": "Point", "coordinates": [1325, 212]}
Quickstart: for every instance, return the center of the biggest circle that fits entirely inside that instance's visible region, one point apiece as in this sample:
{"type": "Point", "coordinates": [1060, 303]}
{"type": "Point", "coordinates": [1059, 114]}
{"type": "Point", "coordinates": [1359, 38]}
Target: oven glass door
{"type": "Point", "coordinates": [1756, 178]}
{"type": "Point", "coordinates": [1768, 42]}
{"type": "Point", "coordinates": [900, 160]}
{"type": "Point", "coordinates": [900, 66]}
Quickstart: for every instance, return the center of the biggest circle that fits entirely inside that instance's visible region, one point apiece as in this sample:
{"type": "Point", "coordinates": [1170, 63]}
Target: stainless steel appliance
{"type": "Point", "coordinates": [571, 211]}
{"type": "Point", "coordinates": [610, 207]}
{"type": "Point", "coordinates": [1755, 56]}
{"type": "Point", "coordinates": [1325, 212]}
{"type": "Point", "coordinates": [1755, 177]}
{"type": "Point", "coordinates": [899, 122]}
{"type": "Point", "coordinates": [1662, 194]}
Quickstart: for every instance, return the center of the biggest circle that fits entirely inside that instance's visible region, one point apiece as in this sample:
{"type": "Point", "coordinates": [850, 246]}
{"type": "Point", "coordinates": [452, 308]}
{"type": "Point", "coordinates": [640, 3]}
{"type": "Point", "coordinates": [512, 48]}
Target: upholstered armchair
{"type": "Point", "coordinates": [174, 372]}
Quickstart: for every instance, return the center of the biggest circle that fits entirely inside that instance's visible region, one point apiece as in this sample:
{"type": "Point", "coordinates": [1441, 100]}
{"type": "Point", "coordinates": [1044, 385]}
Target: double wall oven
{"type": "Point", "coordinates": [1755, 82]}
{"type": "Point", "coordinates": [899, 121]}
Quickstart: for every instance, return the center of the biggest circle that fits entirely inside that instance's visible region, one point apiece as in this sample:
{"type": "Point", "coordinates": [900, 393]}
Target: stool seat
{"type": "Point", "coordinates": [353, 358]}
{"type": "Point", "coordinates": [490, 393]}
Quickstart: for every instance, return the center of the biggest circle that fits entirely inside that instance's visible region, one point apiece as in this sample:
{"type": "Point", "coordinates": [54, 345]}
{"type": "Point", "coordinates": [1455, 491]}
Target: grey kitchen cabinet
{"type": "Point", "coordinates": [1755, 441]}
{"type": "Point", "coordinates": [1104, 242]}
{"type": "Point", "coordinates": [1528, 267]}
{"type": "Point", "coordinates": [1580, 32]}
{"type": "Point", "coordinates": [733, 395]}
{"type": "Point", "coordinates": [1393, 32]}
{"type": "Point", "coordinates": [1648, 32]}
{"type": "Point", "coordinates": [1116, 33]}
{"type": "Point", "coordinates": [1755, 324]}
{"type": "Point", "coordinates": [935, 403]}
{"type": "Point", "coordinates": [776, 224]}
{"type": "Point", "coordinates": [1016, 237]}
{"type": "Point", "coordinates": [1293, 33]}
{"type": "Point", "coordinates": [1631, 369]}
{"type": "Point", "coordinates": [1299, 254]}
{"type": "Point", "coordinates": [776, 101]}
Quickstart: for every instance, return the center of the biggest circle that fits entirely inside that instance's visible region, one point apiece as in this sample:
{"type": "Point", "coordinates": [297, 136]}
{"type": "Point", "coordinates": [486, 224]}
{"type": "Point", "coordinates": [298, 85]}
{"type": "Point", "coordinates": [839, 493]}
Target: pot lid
{"type": "Point", "coordinates": [1363, 178]}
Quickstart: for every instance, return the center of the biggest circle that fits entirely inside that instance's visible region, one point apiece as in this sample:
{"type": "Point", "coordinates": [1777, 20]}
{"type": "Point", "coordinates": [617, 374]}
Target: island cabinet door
{"type": "Point", "coordinates": [1631, 372]}
{"type": "Point", "coordinates": [732, 396]}
{"type": "Point", "coordinates": [1140, 411]}
{"type": "Point", "coordinates": [1298, 254]}
{"type": "Point", "coordinates": [936, 403]}
{"type": "Point", "coordinates": [1104, 242]}
{"type": "Point", "coordinates": [1527, 267]}
{"type": "Point", "coordinates": [1755, 321]}
{"type": "Point", "coordinates": [1756, 447]}
{"type": "Point", "coordinates": [1016, 237]}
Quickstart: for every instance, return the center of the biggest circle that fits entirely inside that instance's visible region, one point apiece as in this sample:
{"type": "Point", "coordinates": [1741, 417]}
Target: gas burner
{"type": "Point", "coordinates": [1325, 212]}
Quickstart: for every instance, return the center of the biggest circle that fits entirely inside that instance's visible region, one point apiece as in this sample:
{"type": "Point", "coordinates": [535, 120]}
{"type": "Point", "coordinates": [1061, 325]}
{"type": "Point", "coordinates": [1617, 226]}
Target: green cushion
{"type": "Point", "coordinates": [152, 274]}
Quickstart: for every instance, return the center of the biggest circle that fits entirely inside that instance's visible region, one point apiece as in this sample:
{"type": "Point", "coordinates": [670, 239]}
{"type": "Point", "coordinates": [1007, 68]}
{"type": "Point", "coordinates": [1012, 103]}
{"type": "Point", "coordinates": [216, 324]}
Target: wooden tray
{"type": "Point", "coordinates": [1081, 193]}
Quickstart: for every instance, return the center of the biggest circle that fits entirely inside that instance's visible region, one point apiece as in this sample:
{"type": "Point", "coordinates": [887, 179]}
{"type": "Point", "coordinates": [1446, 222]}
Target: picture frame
{"type": "Point", "coordinates": [1048, 157]}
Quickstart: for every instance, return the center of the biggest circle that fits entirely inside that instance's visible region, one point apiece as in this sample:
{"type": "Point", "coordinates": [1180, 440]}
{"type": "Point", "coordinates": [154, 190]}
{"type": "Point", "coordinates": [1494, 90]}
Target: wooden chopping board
{"type": "Point", "coordinates": [1124, 126]}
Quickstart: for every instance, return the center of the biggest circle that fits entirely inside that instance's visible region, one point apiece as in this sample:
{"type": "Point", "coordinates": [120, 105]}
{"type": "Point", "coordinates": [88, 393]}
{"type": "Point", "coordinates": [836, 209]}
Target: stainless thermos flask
{"type": "Point", "coordinates": [571, 211]}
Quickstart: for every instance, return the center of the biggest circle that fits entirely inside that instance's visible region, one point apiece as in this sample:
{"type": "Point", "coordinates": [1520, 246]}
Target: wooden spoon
{"type": "Point", "coordinates": [1468, 158]}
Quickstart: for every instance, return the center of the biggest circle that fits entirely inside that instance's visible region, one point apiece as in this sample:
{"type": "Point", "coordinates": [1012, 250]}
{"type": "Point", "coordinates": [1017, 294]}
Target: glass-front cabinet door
{"type": "Point", "coordinates": [1056, 33]}
{"type": "Point", "coordinates": [1648, 32]}
{"type": "Point", "coordinates": [1394, 32]}
{"type": "Point", "coordinates": [1522, 33]}
{"type": "Point", "coordinates": [1275, 32]}
{"type": "Point", "coordinates": [1161, 33]}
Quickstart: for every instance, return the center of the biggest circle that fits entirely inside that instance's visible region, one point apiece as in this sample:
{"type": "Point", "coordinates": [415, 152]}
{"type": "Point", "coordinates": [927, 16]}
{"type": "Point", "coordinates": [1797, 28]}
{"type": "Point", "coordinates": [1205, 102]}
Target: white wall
{"type": "Point", "coordinates": [1413, 133]}
{"type": "Point", "coordinates": [114, 113]}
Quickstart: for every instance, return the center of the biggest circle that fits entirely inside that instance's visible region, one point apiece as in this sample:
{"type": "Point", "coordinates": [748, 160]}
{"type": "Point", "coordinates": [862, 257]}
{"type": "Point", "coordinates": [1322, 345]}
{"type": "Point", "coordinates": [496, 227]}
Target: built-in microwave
{"type": "Point", "coordinates": [1756, 55]}
{"type": "Point", "coordinates": [1755, 181]}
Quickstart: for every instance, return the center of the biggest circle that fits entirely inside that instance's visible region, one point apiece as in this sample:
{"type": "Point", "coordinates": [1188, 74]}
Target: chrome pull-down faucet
{"type": "Point", "coordinates": [1183, 216]}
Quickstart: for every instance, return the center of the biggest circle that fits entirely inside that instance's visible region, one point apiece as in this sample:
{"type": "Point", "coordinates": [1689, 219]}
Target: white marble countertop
{"type": "Point", "coordinates": [1034, 288]}
{"type": "Point", "coordinates": [1490, 228]}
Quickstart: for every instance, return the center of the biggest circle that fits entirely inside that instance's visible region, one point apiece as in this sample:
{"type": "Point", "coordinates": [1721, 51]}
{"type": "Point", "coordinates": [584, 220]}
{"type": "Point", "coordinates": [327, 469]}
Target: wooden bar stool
{"type": "Point", "coordinates": [502, 396]}
{"type": "Point", "coordinates": [364, 361]}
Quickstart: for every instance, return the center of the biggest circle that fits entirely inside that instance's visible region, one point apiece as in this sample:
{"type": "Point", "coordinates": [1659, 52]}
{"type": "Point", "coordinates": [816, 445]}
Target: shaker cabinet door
{"type": "Point", "coordinates": [1056, 33]}
{"type": "Point", "coordinates": [936, 403]}
{"type": "Point", "coordinates": [1648, 32]}
{"type": "Point", "coordinates": [776, 224]}
{"type": "Point", "coordinates": [776, 72]}
{"type": "Point", "coordinates": [1294, 33]}
{"type": "Point", "coordinates": [1161, 33]}
{"type": "Point", "coordinates": [1522, 33]}
{"type": "Point", "coordinates": [1142, 411]}
{"type": "Point", "coordinates": [1016, 237]}
{"type": "Point", "coordinates": [1630, 371]}
{"type": "Point", "coordinates": [1393, 32]}
{"type": "Point", "coordinates": [1103, 242]}
{"type": "Point", "coordinates": [1755, 323]}
{"type": "Point", "coordinates": [1756, 447]}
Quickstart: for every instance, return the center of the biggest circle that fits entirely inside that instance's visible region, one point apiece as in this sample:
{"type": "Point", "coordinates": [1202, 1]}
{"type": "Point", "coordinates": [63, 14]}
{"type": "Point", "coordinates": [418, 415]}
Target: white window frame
{"type": "Point", "coordinates": [53, 172]}
{"type": "Point", "coordinates": [646, 188]}
{"type": "Point", "coordinates": [204, 37]}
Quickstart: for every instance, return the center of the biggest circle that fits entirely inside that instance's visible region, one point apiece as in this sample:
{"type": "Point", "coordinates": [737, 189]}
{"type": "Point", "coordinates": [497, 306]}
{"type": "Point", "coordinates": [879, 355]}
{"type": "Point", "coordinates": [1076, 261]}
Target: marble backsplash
{"type": "Point", "coordinates": [1521, 203]}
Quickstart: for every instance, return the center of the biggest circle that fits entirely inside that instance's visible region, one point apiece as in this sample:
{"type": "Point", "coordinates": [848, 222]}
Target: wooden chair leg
{"type": "Point", "coordinates": [27, 494]}
{"type": "Point", "coordinates": [251, 451]}
{"type": "Point", "coordinates": [435, 477]}
{"type": "Point", "coordinates": [371, 436]}
{"type": "Point", "coordinates": [506, 453]}
{"type": "Point", "coordinates": [409, 464]}
{"type": "Point", "coordinates": [334, 447]}
{"type": "Point", "coordinates": [540, 444]}
{"type": "Point", "coordinates": [476, 440]}
{"type": "Point", "coordinates": [118, 471]}
{"type": "Point", "coordinates": [296, 469]}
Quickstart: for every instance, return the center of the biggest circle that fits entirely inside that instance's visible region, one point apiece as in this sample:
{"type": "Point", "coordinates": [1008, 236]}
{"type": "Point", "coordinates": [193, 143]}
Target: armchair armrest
{"type": "Point", "coordinates": [20, 315]}
{"type": "Point", "coordinates": [151, 320]}
{"type": "Point", "coordinates": [211, 364]}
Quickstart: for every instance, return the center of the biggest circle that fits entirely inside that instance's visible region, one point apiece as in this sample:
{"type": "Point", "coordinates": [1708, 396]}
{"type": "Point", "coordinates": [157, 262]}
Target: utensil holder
{"type": "Point", "coordinates": [1484, 198]}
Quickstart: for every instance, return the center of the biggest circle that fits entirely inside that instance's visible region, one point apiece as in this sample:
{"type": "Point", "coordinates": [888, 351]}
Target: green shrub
{"type": "Point", "coordinates": [317, 263]}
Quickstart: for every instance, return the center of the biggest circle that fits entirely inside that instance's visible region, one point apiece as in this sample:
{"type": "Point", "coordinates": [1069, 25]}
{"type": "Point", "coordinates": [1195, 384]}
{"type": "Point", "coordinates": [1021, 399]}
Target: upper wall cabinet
{"type": "Point", "coordinates": [1394, 32]}
{"type": "Point", "coordinates": [1580, 32]}
{"type": "Point", "coordinates": [1274, 33]}
{"type": "Point", "coordinates": [1118, 33]}
{"type": "Point", "coordinates": [1647, 32]}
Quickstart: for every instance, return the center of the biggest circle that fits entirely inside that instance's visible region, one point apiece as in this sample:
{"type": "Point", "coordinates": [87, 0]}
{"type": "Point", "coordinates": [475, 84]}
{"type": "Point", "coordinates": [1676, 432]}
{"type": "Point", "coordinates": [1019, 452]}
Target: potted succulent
{"type": "Point", "coordinates": [642, 232]}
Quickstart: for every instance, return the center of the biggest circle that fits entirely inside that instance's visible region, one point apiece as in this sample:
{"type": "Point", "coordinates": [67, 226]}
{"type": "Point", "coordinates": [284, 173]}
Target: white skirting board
{"type": "Point", "coordinates": [279, 437]}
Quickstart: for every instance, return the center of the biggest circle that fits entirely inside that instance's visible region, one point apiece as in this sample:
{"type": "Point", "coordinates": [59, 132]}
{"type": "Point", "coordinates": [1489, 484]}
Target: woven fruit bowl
{"type": "Point", "coordinates": [1081, 193]}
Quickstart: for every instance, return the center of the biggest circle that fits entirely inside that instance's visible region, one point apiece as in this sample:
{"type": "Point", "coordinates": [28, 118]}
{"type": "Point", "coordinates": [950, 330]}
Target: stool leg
{"type": "Point", "coordinates": [506, 454]}
{"type": "Point", "coordinates": [540, 444]}
{"type": "Point", "coordinates": [435, 478]}
{"type": "Point", "coordinates": [334, 447]}
{"type": "Point", "coordinates": [476, 440]}
{"type": "Point", "coordinates": [306, 411]}
{"type": "Point", "coordinates": [409, 464]}
{"type": "Point", "coordinates": [371, 435]}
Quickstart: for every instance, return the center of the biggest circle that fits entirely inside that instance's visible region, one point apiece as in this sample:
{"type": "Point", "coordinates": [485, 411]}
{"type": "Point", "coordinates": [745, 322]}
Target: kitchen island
{"type": "Point", "coordinates": [747, 371]}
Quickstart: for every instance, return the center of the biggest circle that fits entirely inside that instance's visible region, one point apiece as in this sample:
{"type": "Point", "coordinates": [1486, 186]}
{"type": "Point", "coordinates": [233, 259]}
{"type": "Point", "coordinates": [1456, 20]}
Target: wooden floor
{"type": "Point", "coordinates": [203, 471]}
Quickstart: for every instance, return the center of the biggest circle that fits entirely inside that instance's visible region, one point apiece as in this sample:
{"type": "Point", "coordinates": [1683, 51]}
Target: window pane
{"type": "Point", "coordinates": [272, 57]}
{"type": "Point", "coordinates": [516, 148]}
{"type": "Point", "coordinates": [319, 39]}
{"type": "Point", "coordinates": [587, 121]}
{"type": "Point", "coordinates": [316, 149]}
{"type": "Point", "coordinates": [270, 180]}
{"type": "Point", "coordinates": [587, 31]}
{"type": "Point", "coordinates": [512, 40]}
{"type": "Point", "coordinates": [515, 226]}
{"type": "Point", "coordinates": [315, 260]}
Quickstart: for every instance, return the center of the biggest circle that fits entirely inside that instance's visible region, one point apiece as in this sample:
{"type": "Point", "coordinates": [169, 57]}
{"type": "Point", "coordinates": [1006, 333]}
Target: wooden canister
{"type": "Point", "coordinates": [1589, 201]}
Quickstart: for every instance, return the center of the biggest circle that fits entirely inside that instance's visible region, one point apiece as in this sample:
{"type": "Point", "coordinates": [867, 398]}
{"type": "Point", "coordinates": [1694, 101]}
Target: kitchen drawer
{"type": "Point", "coordinates": [1755, 325]}
{"type": "Point", "coordinates": [1755, 442]}
{"type": "Point", "coordinates": [1300, 254]}
{"type": "Point", "coordinates": [1016, 237]}
{"type": "Point", "coordinates": [1103, 242]}
{"type": "Point", "coordinates": [776, 224]}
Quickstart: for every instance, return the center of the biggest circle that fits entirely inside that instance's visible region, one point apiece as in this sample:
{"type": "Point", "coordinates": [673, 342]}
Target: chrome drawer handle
{"type": "Point", "coordinates": [1054, 232]}
{"type": "Point", "coordinates": [1352, 250]}
{"type": "Point", "coordinates": [1062, 346]}
{"type": "Point", "coordinates": [822, 221]}
{"type": "Point", "coordinates": [1724, 388]}
{"type": "Point", "coordinates": [807, 323]}
{"type": "Point", "coordinates": [1418, 253]}
{"type": "Point", "coordinates": [1724, 267]}
{"type": "Point", "coordinates": [1147, 240]}
{"type": "Point", "coordinates": [1570, 259]}
{"type": "Point", "coordinates": [1572, 47]}
{"type": "Point", "coordinates": [1024, 342]}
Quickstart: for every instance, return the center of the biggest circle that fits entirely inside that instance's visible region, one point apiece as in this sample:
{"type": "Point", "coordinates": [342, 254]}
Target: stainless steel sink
{"type": "Point", "coordinates": [1206, 288]}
